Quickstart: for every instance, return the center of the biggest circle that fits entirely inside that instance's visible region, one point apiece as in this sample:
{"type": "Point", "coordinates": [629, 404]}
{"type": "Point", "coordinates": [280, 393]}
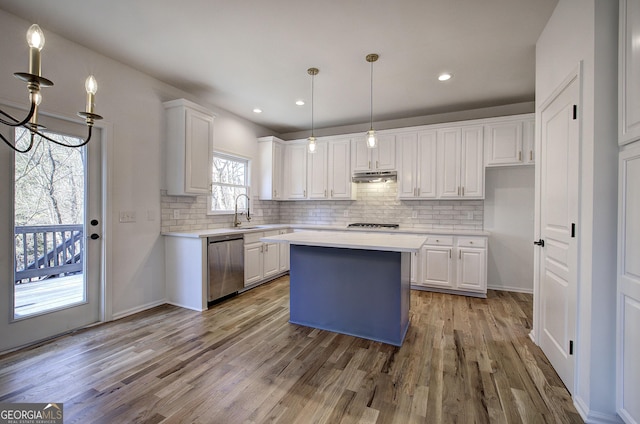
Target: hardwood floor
{"type": "Point", "coordinates": [465, 360]}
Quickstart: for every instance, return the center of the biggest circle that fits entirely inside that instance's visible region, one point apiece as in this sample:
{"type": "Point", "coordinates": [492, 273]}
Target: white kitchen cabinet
{"type": "Point", "coordinates": [380, 158]}
{"type": "Point", "coordinates": [416, 156]}
{"type": "Point", "coordinates": [454, 264]}
{"type": "Point", "coordinates": [284, 253]}
{"type": "Point", "coordinates": [628, 291]}
{"type": "Point", "coordinates": [261, 260]}
{"type": "Point", "coordinates": [295, 171]}
{"type": "Point", "coordinates": [460, 173]}
{"type": "Point", "coordinates": [189, 143]}
{"type": "Point", "coordinates": [339, 170]}
{"type": "Point", "coordinates": [317, 172]}
{"type": "Point", "coordinates": [509, 142]}
{"type": "Point", "coordinates": [629, 69]}
{"type": "Point", "coordinates": [271, 159]}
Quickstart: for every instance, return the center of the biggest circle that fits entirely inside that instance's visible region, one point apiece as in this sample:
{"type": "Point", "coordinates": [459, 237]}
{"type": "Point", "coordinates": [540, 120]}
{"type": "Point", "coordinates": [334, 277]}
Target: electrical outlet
{"type": "Point", "coordinates": [127, 216]}
{"type": "Point", "coordinates": [176, 214]}
{"type": "Point", "coordinates": [346, 214]}
{"type": "Point", "coordinates": [414, 214]}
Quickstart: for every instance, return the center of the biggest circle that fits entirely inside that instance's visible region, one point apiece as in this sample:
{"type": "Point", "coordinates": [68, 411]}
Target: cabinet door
{"type": "Point", "coordinates": [317, 172]}
{"type": "Point", "coordinates": [629, 65]}
{"type": "Point", "coordinates": [284, 253]}
{"type": "Point", "coordinates": [471, 274]}
{"type": "Point", "coordinates": [271, 259]}
{"type": "Point", "coordinates": [436, 267]}
{"type": "Point", "coordinates": [339, 169]}
{"type": "Point", "coordinates": [384, 154]}
{"type": "Point", "coordinates": [360, 155]}
{"type": "Point", "coordinates": [252, 263]}
{"type": "Point", "coordinates": [407, 148]}
{"type": "Point", "coordinates": [449, 163]}
{"type": "Point", "coordinates": [278, 162]}
{"type": "Point", "coordinates": [296, 171]}
{"type": "Point", "coordinates": [628, 320]}
{"type": "Point", "coordinates": [529, 141]}
{"type": "Point", "coordinates": [504, 143]}
{"type": "Point", "coordinates": [472, 163]}
{"type": "Point", "coordinates": [198, 142]}
{"type": "Point", "coordinates": [415, 261]}
{"type": "Point", "coordinates": [426, 166]}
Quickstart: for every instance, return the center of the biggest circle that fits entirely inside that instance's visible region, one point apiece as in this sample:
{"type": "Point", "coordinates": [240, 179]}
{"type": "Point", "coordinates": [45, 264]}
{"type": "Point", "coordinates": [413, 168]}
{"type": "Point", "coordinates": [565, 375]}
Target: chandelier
{"type": "Point", "coordinates": [34, 80]}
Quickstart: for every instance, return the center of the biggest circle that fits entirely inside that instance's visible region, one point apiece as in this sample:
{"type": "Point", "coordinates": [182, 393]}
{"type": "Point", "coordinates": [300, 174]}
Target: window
{"type": "Point", "coordinates": [230, 178]}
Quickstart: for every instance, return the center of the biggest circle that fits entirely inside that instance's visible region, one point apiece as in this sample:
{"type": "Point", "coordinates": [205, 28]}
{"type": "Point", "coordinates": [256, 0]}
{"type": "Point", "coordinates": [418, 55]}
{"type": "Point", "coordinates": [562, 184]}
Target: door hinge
{"type": "Point", "coordinates": [570, 347]}
{"type": "Point", "coordinates": [575, 111]}
{"type": "Point", "coordinates": [573, 230]}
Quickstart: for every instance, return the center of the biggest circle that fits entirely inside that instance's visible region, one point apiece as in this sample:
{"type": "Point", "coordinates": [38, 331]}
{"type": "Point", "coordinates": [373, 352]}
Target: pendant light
{"type": "Point", "coordinates": [312, 139]}
{"type": "Point", "coordinates": [372, 139]}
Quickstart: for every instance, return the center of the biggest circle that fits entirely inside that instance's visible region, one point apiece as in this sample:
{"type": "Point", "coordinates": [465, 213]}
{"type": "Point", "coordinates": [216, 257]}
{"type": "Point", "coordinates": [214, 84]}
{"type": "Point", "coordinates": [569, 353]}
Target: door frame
{"type": "Point", "coordinates": [105, 312]}
{"type": "Point", "coordinates": [575, 75]}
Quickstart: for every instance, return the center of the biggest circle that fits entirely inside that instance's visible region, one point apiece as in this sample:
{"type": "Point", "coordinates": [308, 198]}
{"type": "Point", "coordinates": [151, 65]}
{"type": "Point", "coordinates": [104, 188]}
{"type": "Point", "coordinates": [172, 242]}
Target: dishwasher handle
{"type": "Point", "coordinates": [221, 238]}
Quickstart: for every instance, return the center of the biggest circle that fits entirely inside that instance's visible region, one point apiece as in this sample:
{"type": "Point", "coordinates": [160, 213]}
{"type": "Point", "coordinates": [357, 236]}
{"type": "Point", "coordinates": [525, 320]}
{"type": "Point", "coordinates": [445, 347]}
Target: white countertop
{"type": "Point", "coordinates": [352, 240]}
{"type": "Point", "coordinates": [315, 227]}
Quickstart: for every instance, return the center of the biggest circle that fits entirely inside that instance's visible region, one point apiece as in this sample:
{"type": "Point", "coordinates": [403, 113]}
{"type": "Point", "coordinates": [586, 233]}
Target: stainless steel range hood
{"type": "Point", "coordinates": [374, 176]}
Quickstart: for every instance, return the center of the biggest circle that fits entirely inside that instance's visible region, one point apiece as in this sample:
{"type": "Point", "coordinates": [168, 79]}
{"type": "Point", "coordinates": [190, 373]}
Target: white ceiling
{"type": "Point", "coordinates": [242, 54]}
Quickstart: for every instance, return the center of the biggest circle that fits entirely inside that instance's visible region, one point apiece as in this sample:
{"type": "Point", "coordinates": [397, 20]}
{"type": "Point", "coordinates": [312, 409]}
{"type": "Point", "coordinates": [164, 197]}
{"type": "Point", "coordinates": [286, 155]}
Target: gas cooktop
{"type": "Point", "coordinates": [373, 225]}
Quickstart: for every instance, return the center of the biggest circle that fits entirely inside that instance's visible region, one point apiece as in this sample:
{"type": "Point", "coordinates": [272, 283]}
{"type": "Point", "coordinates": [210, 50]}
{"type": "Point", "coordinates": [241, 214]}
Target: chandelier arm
{"type": "Point", "coordinates": [15, 122]}
{"type": "Point", "coordinates": [63, 144]}
{"type": "Point", "coordinates": [8, 143]}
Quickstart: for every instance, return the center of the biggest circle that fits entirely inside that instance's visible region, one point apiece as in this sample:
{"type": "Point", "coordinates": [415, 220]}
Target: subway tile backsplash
{"type": "Point", "coordinates": [376, 202]}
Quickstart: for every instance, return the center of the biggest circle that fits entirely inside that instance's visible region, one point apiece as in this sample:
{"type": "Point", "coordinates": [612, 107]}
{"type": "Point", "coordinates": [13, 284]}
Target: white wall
{"type": "Point", "coordinates": [508, 216]}
{"type": "Point", "coordinates": [131, 103]}
{"type": "Point", "coordinates": [581, 30]}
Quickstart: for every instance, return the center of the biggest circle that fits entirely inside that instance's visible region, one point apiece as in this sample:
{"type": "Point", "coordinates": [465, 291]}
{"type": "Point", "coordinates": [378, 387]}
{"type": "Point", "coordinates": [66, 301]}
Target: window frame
{"type": "Point", "coordinates": [247, 179]}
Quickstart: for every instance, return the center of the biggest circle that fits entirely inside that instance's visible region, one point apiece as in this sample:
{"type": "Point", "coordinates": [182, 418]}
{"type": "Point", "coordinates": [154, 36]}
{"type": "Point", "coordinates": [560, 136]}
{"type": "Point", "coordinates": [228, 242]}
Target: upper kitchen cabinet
{"type": "Point", "coordinates": [629, 69]}
{"type": "Point", "coordinates": [295, 171]}
{"type": "Point", "coordinates": [380, 158]}
{"type": "Point", "coordinates": [509, 142]}
{"type": "Point", "coordinates": [317, 172]}
{"type": "Point", "coordinates": [460, 172]}
{"type": "Point", "coordinates": [339, 170]}
{"type": "Point", "coordinates": [271, 157]}
{"type": "Point", "coordinates": [416, 155]}
{"type": "Point", "coordinates": [189, 142]}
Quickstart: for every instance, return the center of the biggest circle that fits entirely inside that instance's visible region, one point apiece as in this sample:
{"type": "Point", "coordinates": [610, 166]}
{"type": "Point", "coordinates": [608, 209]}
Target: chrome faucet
{"type": "Point", "coordinates": [236, 221]}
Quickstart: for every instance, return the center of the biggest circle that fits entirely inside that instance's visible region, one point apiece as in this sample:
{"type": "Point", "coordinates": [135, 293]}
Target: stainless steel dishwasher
{"type": "Point", "coordinates": [226, 265]}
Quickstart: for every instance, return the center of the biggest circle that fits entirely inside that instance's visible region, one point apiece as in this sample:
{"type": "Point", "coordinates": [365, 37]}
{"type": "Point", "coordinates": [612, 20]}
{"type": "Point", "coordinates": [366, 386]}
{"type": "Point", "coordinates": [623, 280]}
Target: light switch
{"type": "Point", "coordinates": [127, 216]}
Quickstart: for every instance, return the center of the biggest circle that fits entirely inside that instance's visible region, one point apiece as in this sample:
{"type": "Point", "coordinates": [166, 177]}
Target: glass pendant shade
{"type": "Point", "coordinates": [311, 144]}
{"type": "Point", "coordinates": [372, 139]}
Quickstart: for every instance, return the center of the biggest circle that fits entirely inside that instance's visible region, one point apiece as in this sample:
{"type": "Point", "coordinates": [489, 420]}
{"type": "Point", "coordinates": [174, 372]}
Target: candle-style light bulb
{"type": "Point", "coordinates": [35, 39]}
{"type": "Point", "coordinates": [91, 85]}
{"type": "Point", "coordinates": [312, 144]}
{"type": "Point", "coordinates": [371, 139]}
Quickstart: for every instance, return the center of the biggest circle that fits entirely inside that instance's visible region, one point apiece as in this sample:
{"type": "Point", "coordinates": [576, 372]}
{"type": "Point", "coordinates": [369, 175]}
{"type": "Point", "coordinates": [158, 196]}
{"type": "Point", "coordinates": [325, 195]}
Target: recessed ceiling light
{"type": "Point", "coordinates": [300, 102]}
{"type": "Point", "coordinates": [444, 77]}
{"type": "Point", "coordinates": [257, 110]}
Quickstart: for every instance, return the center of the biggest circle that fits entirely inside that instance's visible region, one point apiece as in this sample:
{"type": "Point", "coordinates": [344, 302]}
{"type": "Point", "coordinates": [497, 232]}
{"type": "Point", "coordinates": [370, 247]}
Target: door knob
{"type": "Point", "coordinates": [94, 236]}
{"type": "Point", "coordinates": [539, 243]}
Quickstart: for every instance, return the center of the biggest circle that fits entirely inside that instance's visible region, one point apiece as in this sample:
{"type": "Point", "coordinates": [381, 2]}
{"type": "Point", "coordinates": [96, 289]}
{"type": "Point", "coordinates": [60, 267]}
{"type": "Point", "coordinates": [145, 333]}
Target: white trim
{"type": "Point", "coordinates": [135, 310]}
{"type": "Point", "coordinates": [594, 417]}
{"type": "Point", "coordinates": [184, 306]}
{"type": "Point", "coordinates": [511, 289]}
{"type": "Point", "coordinates": [106, 306]}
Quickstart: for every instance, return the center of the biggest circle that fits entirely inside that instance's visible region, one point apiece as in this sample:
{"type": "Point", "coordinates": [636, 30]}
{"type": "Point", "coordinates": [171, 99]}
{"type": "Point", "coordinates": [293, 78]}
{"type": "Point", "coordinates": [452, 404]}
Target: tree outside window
{"type": "Point", "coordinates": [229, 179]}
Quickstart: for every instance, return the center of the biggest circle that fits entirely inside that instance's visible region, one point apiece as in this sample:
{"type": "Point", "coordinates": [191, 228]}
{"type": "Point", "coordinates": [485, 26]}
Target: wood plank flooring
{"type": "Point", "coordinates": [464, 360]}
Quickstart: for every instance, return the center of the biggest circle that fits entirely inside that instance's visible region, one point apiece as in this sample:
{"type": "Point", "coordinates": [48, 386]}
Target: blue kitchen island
{"type": "Point", "coordinates": [351, 283]}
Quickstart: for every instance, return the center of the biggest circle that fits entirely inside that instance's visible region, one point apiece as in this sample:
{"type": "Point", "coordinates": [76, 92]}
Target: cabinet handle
{"type": "Point", "coordinates": [449, 253]}
{"type": "Point", "coordinates": [304, 193]}
{"type": "Point", "coordinates": [325, 192]}
{"type": "Point", "coordinates": [262, 248]}
{"type": "Point", "coordinates": [369, 164]}
{"type": "Point", "coordinates": [530, 154]}
{"type": "Point", "coordinates": [331, 192]}
{"type": "Point", "coordinates": [275, 193]}
{"type": "Point", "coordinates": [418, 191]}
{"type": "Point", "coordinates": [266, 247]}
{"type": "Point", "coordinates": [377, 165]}
{"type": "Point", "coordinates": [519, 156]}
{"type": "Point", "coordinates": [459, 254]}
{"type": "Point", "coordinates": [462, 191]}
{"type": "Point", "coordinates": [458, 190]}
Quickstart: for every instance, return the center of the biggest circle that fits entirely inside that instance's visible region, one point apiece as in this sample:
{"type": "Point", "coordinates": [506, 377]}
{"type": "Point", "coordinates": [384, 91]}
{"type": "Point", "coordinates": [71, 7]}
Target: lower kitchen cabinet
{"type": "Point", "coordinates": [261, 260]}
{"type": "Point", "coordinates": [454, 264]}
{"type": "Point", "coordinates": [284, 253]}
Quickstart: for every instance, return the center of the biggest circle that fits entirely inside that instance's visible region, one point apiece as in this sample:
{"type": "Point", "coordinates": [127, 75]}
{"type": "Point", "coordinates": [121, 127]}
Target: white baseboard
{"type": "Point", "coordinates": [594, 417]}
{"type": "Point", "coordinates": [184, 306]}
{"type": "Point", "coordinates": [511, 289]}
{"type": "Point", "coordinates": [137, 309]}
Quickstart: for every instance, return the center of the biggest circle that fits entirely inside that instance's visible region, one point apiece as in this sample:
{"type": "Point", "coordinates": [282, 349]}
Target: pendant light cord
{"type": "Point", "coordinates": [371, 97]}
{"type": "Point", "coordinates": [313, 77]}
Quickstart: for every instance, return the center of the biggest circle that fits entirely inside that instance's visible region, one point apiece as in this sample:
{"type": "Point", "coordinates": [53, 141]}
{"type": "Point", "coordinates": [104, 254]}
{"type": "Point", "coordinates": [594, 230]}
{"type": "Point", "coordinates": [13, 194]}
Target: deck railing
{"type": "Point", "coordinates": [44, 251]}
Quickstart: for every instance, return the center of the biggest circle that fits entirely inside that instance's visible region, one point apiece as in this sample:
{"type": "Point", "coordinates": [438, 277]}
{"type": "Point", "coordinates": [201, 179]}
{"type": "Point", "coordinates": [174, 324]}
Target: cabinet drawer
{"type": "Point", "coordinates": [253, 237]}
{"type": "Point", "coordinates": [439, 241]}
{"type": "Point", "coordinates": [271, 233]}
{"type": "Point", "coordinates": [472, 242]}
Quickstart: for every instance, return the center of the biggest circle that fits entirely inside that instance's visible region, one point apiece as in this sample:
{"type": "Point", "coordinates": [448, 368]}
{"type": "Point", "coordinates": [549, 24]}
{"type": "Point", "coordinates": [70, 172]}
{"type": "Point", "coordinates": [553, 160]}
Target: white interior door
{"type": "Point", "coordinates": [558, 213]}
{"type": "Point", "coordinates": [78, 293]}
